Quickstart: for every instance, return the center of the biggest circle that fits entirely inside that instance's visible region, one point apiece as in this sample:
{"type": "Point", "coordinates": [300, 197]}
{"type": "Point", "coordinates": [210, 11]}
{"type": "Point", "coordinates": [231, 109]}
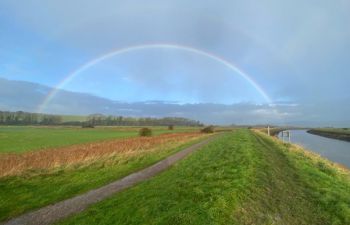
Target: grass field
{"type": "Point", "coordinates": [20, 139]}
{"type": "Point", "coordinates": [335, 133]}
{"type": "Point", "coordinates": [240, 178]}
{"type": "Point", "coordinates": [335, 130]}
{"type": "Point", "coordinates": [66, 172]}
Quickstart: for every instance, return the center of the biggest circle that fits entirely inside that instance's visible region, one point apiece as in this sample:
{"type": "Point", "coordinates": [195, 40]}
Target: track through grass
{"type": "Point", "coordinates": [35, 189]}
{"type": "Point", "coordinates": [240, 178]}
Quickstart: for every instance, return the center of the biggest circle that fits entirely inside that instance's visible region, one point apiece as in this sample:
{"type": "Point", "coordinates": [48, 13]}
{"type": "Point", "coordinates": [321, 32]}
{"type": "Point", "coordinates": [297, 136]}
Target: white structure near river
{"type": "Point", "coordinates": [332, 149]}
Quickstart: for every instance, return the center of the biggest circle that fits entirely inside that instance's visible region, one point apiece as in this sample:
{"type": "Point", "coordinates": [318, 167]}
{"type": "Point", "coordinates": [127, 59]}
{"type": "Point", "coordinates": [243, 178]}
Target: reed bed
{"type": "Point", "coordinates": [15, 164]}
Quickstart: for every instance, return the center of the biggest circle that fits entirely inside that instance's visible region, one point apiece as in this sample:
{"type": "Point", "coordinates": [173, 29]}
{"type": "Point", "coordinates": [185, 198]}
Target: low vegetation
{"type": "Point", "coordinates": [87, 125]}
{"type": "Point", "coordinates": [208, 129]}
{"type": "Point", "coordinates": [35, 179]}
{"type": "Point", "coordinates": [145, 132]}
{"type": "Point", "coordinates": [335, 133]}
{"type": "Point", "coordinates": [241, 178]}
{"type": "Point", "coordinates": [15, 164]}
{"type": "Point", "coordinates": [21, 139]}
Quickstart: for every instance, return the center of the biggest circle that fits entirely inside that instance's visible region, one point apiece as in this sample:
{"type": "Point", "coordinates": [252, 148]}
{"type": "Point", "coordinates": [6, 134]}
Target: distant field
{"type": "Point", "coordinates": [240, 178]}
{"type": "Point", "coordinates": [335, 130]}
{"type": "Point", "coordinates": [27, 138]}
{"type": "Point", "coordinates": [335, 133]}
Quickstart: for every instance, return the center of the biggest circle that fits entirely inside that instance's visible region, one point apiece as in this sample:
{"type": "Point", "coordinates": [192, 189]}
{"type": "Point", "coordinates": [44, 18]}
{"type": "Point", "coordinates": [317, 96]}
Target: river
{"type": "Point", "coordinates": [332, 149]}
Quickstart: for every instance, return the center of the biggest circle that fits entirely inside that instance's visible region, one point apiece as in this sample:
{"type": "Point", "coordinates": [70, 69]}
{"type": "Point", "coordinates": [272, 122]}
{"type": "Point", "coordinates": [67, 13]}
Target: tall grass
{"type": "Point", "coordinates": [14, 164]}
{"type": "Point", "coordinates": [19, 139]}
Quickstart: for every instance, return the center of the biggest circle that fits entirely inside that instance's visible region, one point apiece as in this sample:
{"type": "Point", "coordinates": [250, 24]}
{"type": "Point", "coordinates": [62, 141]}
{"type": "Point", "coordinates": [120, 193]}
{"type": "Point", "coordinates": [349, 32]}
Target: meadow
{"type": "Point", "coordinates": [19, 139]}
{"type": "Point", "coordinates": [34, 179]}
{"type": "Point", "coordinates": [240, 178]}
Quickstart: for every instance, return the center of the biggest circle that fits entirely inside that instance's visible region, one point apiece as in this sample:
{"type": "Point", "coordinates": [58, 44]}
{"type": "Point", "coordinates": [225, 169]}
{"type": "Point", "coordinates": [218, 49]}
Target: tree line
{"type": "Point", "coordinates": [27, 118]}
{"type": "Point", "coordinates": [102, 120]}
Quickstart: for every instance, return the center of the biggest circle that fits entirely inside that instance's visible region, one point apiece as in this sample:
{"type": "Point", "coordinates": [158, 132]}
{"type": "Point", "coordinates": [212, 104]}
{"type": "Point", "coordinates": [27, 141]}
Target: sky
{"type": "Point", "coordinates": [297, 52]}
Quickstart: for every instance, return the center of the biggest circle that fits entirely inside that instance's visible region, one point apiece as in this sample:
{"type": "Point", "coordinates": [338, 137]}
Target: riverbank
{"type": "Point", "coordinates": [332, 149]}
{"type": "Point", "coordinates": [339, 134]}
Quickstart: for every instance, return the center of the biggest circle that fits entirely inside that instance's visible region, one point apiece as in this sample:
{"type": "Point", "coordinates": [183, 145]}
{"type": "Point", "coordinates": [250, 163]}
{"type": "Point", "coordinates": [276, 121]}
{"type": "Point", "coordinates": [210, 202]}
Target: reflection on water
{"type": "Point", "coordinates": [334, 150]}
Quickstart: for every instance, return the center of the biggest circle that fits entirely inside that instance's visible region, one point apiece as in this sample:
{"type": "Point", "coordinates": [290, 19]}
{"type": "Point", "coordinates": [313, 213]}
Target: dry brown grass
{"type": "Point", "coordinates": [14, 164]}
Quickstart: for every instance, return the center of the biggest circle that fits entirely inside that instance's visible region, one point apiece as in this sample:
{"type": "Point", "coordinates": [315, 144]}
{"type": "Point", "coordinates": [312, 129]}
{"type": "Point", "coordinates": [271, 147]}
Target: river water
{"type": "Point", "coordinates": [332, 149]}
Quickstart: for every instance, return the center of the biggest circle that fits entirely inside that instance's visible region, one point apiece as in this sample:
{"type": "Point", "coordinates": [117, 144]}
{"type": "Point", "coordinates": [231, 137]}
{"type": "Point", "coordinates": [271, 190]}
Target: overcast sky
{"type": "Point", "coordinates": [297, 51]}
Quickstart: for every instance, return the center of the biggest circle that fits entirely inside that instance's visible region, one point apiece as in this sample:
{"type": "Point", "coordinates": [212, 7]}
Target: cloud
{"type": "Point", "coordinates": [297, 51]}
{"type": "Point", "coordinates": [26, 96]}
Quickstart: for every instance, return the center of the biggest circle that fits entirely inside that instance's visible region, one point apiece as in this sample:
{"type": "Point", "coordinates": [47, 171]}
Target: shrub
{"type": "Point", "coordinates": [87, 125]}
{"type": "Point", "coordinates": [208, 129]}
{"type": "Point", "coordinates": [145, 132]}
{"type": "Point", "coordinates": [171, 127]}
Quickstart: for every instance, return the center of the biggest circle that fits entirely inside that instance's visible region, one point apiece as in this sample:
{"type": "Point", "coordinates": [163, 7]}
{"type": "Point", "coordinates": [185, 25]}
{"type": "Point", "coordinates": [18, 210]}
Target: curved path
{"type": "Point", "coordinates": [60, 210]}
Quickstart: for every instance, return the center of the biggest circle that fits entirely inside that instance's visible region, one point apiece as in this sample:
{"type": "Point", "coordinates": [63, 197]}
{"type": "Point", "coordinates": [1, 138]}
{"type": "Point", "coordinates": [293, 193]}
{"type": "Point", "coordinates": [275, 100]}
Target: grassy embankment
{"type": "Point", "coordinates": [273, 131]}
{"type": "Point", "coordinates": [241, 178]}
{"type": "Point", "coordinates": [34, 179]}
{"type": "Point", "coordinates": [335, 133]}
{"type": "Point", "coordinates": [20, 139]}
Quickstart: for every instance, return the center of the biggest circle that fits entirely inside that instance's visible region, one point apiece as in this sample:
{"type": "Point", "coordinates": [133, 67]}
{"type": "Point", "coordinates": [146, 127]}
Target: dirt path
{"type": "Point", "coordinates": [60, 210]}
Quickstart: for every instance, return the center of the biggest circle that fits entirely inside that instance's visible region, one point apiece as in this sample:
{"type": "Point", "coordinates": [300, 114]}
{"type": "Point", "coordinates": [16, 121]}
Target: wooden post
{"type": "Point", "coordinates": [268, 130]}
{"type": "Point", "coordinates": [289, 136]}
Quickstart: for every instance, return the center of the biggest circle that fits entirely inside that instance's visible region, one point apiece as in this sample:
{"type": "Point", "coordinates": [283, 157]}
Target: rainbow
{"type": "Point", "coordinates": [51, 95]}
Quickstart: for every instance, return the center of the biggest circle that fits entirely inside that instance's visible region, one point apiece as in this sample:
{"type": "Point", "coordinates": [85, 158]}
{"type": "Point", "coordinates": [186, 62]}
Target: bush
{"type": "Point", "coordinates": [171, 127]}
{"type": "Point", "coordinates": [87, 125]}
{"type": "Point", "coordinates": [145, 132]}
{"type": "Point", "coordinates": [208, 129]}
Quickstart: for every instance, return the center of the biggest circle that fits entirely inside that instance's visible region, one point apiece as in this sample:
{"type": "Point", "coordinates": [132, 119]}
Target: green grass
{"type": "Point", "coordinates": [20, 139]}
{"type": "Point", "coordinates": [335, 130]}
{"type": "Point", "coordinates": [335, 133]}
{"type": "Point", "coordinates": [19, 194]}
{"type": "Point", "coordinates": [240, 178]}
